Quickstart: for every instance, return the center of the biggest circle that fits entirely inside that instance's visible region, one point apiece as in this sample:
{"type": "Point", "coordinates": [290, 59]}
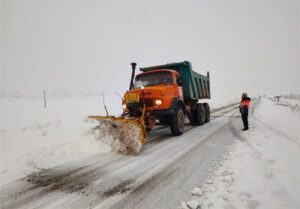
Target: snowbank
{"type": "Point", "coordinates": [261, 171]}
{"type": "Point", "coordinates": [294, 104]}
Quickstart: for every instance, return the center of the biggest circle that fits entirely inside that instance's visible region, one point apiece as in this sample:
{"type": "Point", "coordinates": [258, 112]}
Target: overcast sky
{"type": "Point", "coordinates": [88, 46]}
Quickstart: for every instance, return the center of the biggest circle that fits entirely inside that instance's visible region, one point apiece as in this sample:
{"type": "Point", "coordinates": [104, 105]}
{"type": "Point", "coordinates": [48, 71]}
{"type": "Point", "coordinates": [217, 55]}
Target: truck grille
{"type": "Point", "coordinates": [149, 102]}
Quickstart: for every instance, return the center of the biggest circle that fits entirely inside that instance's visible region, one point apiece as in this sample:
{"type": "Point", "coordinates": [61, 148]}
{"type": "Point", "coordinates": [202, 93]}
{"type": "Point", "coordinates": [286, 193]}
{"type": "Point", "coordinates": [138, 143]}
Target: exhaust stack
{"type": "Point", "coordinates": [133, 65]}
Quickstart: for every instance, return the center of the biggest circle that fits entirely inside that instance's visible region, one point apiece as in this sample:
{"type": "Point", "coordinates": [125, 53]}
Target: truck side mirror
{"type": "Point", "coordinates": [179, 81]}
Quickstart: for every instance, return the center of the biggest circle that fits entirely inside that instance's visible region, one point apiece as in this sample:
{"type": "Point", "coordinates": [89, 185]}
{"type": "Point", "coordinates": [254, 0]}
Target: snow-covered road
{"type": "Point", "coordinates": [159, 177]}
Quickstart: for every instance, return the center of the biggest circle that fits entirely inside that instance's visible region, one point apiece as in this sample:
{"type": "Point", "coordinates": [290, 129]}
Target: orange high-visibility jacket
{"type": "Point", "coordinates": [245, 102]}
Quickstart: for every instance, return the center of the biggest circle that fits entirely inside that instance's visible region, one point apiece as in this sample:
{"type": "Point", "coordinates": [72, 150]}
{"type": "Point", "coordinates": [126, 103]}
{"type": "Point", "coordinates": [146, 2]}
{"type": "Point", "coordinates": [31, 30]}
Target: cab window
{"type": "Point", "coordinates": [153, 79]}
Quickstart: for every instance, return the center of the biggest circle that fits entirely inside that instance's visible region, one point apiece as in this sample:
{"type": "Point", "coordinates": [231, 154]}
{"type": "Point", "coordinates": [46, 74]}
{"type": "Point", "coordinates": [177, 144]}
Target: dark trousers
{"type": "Point", "coordinates": [245, 120]}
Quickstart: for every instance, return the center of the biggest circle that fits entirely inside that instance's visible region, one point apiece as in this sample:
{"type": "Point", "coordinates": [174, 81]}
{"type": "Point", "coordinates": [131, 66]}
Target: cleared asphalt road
{"type": "Point", "coordinates": [161, 176]}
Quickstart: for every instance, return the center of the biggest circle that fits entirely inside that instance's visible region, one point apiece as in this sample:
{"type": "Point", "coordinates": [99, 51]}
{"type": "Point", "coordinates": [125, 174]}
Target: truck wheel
{"type": "Point", "coordinates": [199, 115]}
{"type": "Point", "coordinates": [177, 121]}
{"type": "Point", "coordinates": [207, 112]}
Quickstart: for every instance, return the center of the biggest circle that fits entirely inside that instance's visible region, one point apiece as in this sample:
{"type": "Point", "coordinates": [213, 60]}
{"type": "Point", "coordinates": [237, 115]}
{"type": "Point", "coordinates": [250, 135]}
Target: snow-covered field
{"type": "Point", "coordinates": [34, 138]}
{"type": "Point", "coordinates": [262, 169]}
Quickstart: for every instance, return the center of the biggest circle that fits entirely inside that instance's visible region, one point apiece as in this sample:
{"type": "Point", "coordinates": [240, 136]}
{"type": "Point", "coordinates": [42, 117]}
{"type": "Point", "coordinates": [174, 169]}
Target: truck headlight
{"type": "Point", "coordinates": [124, 106]}
{"type": "Point", "coordinates": [158, 102]}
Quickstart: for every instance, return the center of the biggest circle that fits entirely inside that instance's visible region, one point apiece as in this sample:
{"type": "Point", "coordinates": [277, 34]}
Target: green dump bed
{"type": "Point", "coordinates": [195, 86]}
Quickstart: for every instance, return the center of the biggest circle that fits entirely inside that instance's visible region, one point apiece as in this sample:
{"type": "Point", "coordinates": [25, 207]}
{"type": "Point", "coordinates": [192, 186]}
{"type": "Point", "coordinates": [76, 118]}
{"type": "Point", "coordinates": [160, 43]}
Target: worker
{"type": "Point", "coordinates": [244, 106]}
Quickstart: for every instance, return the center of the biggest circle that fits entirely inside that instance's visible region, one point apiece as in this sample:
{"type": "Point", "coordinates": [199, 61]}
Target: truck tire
{"type": "Point", "coordinates": [207, 112]}
{"type": "Point", "coordinates": [199, 115]}
{"type": "Point", "coordinates": [177, 121]}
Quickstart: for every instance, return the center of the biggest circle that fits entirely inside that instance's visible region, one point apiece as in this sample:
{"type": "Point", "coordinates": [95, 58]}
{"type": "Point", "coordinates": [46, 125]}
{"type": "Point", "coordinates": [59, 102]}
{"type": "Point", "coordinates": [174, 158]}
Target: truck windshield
{"type": "Point", "coordinates": [153, 79]}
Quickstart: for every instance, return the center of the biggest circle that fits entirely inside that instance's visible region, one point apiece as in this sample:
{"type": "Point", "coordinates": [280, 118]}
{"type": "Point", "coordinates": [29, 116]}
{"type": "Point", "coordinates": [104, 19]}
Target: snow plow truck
{"type": "Point", "coordinates": [163, 94]}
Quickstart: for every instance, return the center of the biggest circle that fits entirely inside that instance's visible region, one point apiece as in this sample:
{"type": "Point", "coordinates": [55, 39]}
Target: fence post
{"type": "Point", "coordinates": [45, 99]}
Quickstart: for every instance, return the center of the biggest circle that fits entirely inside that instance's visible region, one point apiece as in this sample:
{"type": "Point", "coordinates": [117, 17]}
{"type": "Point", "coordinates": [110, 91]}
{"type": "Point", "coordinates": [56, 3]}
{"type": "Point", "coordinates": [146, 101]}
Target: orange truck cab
{"type": "Point", "coordinates": [165, 94]}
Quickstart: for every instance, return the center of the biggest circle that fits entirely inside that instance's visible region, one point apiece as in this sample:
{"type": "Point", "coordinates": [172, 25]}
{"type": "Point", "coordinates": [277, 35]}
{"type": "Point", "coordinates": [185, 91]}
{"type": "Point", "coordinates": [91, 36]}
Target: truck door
{"type": "Point", "coordinates": [179, 84]}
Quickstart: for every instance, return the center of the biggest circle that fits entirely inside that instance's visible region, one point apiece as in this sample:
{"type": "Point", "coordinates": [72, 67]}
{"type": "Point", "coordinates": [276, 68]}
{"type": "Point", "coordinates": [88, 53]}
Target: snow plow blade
{"type": "Point", "coordinates": [126, 135]}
